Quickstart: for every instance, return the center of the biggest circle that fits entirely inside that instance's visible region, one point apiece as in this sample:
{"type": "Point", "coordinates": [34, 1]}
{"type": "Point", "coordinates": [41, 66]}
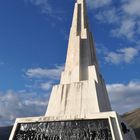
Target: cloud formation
{"type": "Point", "coordinates": [125, 55]}
{"type": "Point", "coordinates": [126, 29]}
{"type": "Point", "coordinates": [124, 97]}
{"type": "Point", "coordinates": [124, 19]}
{"type": "Point", "coordinates": [43, 78]}
{"type": "Point", "coordinates": [107, 16]}
{"type": "Point", "coordinates": [15, 104]}
{"type": "Point", "coordinates": [43, 4]}
{"type": "Point", "coordinates": [53, 73]}
{"type": "Point", "coordinates": [98, 3]}
{"type": "Point", "coordinates": [46, 7]}
{"type": "Point", "coordinates": [46, 86]}
{"type": "Point", "coordinates": [132, 7]}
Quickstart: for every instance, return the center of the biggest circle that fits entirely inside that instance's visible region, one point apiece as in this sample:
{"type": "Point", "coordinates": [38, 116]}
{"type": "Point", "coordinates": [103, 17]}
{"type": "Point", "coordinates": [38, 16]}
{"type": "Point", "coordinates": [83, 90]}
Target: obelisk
{"type": "Point", "coordinates": [79, 107]}
{"type": "Point", "coordinates": [82, 89]}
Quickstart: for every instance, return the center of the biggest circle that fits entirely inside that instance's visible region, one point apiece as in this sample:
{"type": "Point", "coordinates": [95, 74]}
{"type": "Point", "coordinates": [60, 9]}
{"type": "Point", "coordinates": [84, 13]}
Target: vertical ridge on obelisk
{"type": "Point", "coordinates": [82, 89]}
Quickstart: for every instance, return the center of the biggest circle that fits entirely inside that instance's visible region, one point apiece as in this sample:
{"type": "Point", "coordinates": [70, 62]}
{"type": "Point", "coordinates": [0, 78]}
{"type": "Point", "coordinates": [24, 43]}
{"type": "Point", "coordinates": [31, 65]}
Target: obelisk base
{"type": "Point", "coordinates": [100, 126]}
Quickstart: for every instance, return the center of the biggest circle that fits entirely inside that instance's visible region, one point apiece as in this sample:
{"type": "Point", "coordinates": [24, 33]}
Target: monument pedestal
{"type": "Point", "coordinates": [97, 126]}
{"type": "Point", "coordinates": [79, 98]}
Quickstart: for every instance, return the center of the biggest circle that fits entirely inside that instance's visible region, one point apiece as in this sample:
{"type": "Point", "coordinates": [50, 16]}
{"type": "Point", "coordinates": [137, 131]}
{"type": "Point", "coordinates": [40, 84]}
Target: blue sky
{"type": "Point", "coordinates": [33, 44]}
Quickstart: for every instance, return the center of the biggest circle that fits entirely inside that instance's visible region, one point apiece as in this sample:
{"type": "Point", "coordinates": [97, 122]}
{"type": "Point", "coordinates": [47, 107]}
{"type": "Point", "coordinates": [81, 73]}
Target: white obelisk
{"type": "Point", "coordinates": [82, 89]}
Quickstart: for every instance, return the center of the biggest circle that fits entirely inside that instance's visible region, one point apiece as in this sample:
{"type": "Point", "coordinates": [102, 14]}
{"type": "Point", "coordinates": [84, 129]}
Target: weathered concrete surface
{"type": "Point", "coordinates": [82, 89]}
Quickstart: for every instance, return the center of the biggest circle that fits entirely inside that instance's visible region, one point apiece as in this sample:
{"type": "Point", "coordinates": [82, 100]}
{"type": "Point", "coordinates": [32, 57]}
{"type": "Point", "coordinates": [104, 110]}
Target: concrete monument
{"type": "Point", "coordinates": [79, 107]}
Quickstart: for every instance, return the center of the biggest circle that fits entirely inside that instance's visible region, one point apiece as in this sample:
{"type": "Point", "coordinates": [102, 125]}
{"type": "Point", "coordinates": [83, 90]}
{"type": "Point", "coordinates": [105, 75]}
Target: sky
{"type": "Point", "coordinates": [33, 45]}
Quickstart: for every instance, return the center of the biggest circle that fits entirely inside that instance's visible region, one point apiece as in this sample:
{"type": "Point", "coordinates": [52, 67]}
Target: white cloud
{"type": "Point", "coordinates": [35, 103]}
{"type": "Point", "coordinates": [126, 29]}
{"type": "Point", "coordinates": [16, 104]}
{"type": "Point", "coordinates": [129, 54]}
{"type": "Point", "coordinates": [107, 16]}
{"type": "Point", "coordinates": [138, 27]}
{"type": "Point", "coordinates": [124, 19]}
{"type": "Point", "coordinates": [124, 97]}
{"type": "Point", "coordinates": [46, 86]}
{"type": "Point", "coordinates": [46, 8]}
{"type": "Point", "coordinates": [53, 73]}
{"type": "Point", "coordinates": [125, 55]}
{"type": "Point", "coordinates": [43, 4]}
{"type": "Point", "coordinates": [132, 7]}
{"type": "Point", "coordinates": [98, 3]}
{"type": "Point", "coordinates": [113, 57]}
